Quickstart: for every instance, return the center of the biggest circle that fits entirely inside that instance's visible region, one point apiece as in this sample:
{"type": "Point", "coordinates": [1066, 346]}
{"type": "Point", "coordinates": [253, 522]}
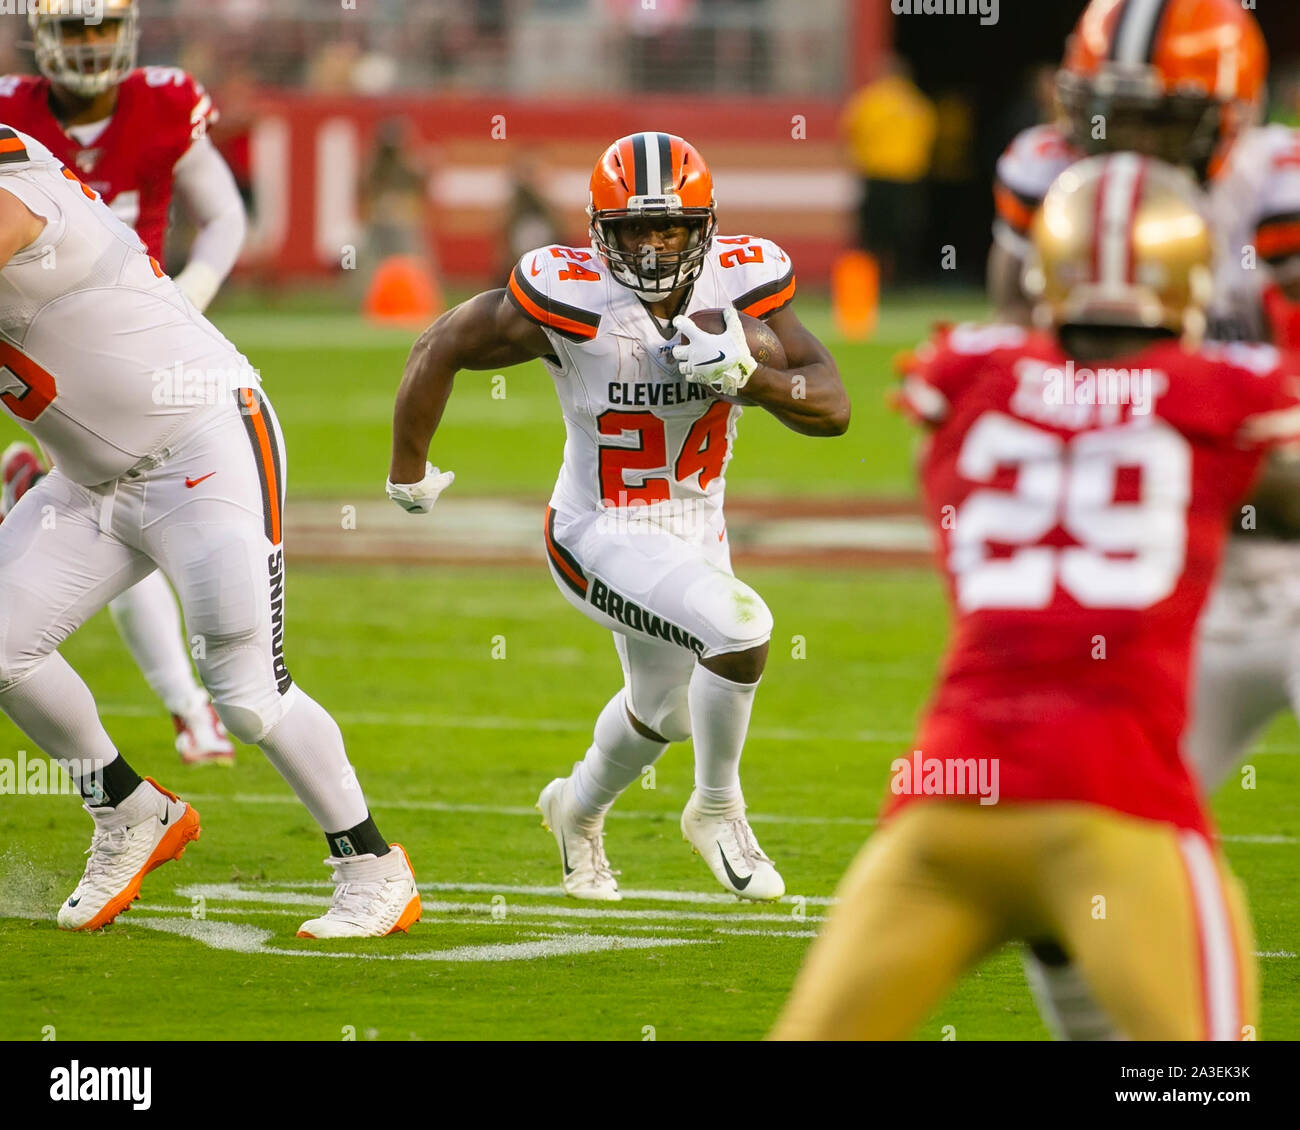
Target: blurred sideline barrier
{"type": "Point", "coordinates": [777, 164]}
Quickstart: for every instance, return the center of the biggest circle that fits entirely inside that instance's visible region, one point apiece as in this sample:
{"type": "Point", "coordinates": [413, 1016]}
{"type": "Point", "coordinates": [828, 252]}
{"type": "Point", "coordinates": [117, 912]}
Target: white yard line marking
{"type": "Point", "coordinates": [253, 940]}
{"type": "Point", "coordinates": [230, 893]}
{"type": "Point", "coordinates": [621, 814]}
{"type": "Point", "coordinates": [423, 719]}
{"type": "Point", "coordinates": [519, 810]}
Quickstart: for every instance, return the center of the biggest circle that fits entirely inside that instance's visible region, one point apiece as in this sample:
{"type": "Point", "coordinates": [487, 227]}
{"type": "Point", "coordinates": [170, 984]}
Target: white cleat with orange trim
{"type": "Point", "coordinates": [374, 895]}
{"type": "Point", "coordinates": [151, 827]}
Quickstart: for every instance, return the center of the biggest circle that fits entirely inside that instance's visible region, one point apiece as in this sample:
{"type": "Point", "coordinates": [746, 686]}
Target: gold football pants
{"type": "Point", "coordinates": [1149, 913]}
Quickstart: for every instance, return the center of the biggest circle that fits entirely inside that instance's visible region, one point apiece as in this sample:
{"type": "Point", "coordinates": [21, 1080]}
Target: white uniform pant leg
{"type": "Point", "coordinates": [57, 569]}
{"type": "Point", "coordinates": [149, 622]}
{"type": "Point", "coordinates": [668, 601]}
{"type": "Point", "coordinates": [220, 544]}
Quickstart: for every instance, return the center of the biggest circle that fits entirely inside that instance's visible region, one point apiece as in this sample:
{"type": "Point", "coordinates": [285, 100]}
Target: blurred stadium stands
{"type": "Point", "coordinates": [478, 89]}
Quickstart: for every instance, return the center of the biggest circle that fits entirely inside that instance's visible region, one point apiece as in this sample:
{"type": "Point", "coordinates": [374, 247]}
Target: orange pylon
{"type": "Point", "coordinates": [403, 291]}
{"type": "Point", "coordinates": [855, 294]}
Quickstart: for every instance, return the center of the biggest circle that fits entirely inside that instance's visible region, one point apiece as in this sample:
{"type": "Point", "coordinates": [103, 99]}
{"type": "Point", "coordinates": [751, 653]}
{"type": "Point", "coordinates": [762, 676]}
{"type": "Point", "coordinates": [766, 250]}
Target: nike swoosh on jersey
{"type": "Point", "coordinates": [202, 478]}
{"type": "Point", "coordinates": [736, 881]}
{"type": "Point", "coordinates": [534, 270]}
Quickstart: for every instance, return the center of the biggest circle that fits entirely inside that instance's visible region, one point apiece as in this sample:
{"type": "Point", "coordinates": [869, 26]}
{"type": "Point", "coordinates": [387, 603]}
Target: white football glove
{"type": "Point", "coordinates": [721, 361]}
{"type": "Point", "coordinates": [418, 498]}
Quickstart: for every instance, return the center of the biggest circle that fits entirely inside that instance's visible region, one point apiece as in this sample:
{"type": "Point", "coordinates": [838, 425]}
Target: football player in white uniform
{"type": "Point", "coordinates": [635, 534]}
{"type": "Point", "coordinates": [135, 135]}
{"type": "Point", "coordinates": [1182, 80]}
{"type": "Point", "coordinates": [166, 456]}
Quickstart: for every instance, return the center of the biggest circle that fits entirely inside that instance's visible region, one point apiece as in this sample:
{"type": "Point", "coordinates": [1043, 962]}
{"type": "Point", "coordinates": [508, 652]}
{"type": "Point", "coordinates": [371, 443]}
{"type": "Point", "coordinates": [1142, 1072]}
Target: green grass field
{"type": "Point", "coordinates": [453, 745]}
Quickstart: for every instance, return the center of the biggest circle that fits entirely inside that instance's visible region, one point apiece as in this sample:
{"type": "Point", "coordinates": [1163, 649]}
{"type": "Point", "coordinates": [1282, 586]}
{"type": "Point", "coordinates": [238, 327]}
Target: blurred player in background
{"type": "Point", "coordinates": [1080, 519]}
{"type": "Point", "coordinates": [1183, 80]}
{"type": "Point", "coordinates": [134, 135]}
{"type": "Point", "coordinates": [635, 533]}
{"type": "Point", "coordinates": [190, 483]}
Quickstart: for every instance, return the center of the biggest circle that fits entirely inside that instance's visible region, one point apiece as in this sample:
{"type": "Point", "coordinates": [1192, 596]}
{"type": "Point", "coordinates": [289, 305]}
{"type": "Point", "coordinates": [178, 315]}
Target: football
{"type": "Point", "coordinates": [763, 343]}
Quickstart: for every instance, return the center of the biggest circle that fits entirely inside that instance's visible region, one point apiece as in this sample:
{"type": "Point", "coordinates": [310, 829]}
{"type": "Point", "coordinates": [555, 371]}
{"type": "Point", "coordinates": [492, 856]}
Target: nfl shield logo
{"type": "Point", "coordinates": [87, 159]}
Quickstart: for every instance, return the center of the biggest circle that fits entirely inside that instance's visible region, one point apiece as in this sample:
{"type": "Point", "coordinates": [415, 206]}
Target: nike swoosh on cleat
{"type": "Point", "coordinates": [736, 881]}
{"type": "Point", "coordinates": [74, 901]}
{"type": "Point", "coordinates": [564, 851]}
{"type": "Point", "coordinates": [164, 817]}
{"type": "Point", "coordinates": [202, 478]}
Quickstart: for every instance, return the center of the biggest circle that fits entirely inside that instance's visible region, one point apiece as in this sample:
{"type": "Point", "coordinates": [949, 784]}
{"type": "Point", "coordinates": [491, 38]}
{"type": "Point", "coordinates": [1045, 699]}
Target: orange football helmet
{"type": "Point", "coordinates": [1173, 79]}
{"type": "Point", "coordinates": [645, 176]}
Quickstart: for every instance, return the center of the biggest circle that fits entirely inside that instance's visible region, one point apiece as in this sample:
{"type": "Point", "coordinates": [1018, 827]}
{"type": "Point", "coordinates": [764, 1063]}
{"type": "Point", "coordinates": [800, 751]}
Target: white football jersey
{"type": "Point", "coordinates": [1252, 204]}
{"type": "Point", "coordinates": [637, 433]}
{"type": "Point", "coordinates": [101, 356]}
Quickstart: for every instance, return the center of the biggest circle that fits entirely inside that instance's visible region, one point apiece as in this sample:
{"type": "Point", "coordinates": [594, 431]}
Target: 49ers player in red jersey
{"type": "Point", "coordinates": [1078, 484]}
{"type": "Point", "coordinates": [134, 135]}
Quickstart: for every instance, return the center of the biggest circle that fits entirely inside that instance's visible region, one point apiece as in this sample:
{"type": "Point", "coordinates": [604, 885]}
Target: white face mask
{"type": "Point", "coordinates": [86, 67]}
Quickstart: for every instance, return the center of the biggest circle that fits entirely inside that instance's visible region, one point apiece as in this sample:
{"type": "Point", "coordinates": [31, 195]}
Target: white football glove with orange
{"type": "Point", "coordinates": [722, 361]}
{"type": "Point", "coordinates": [418, 498]}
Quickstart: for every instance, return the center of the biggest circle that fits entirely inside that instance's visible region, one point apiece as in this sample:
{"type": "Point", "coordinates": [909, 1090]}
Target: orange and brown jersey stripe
{"type": "Point", "coordinates": [765, 300]}
{"type": "Point", "coordinates": [12, 149]}
{"type": "Point", "coordinates": [266, 455]}
{"type": "Point", "coordinates": [571, 322]}
{"type": "Point", "coordinates": [1278, 237]}
{"type": "Point", "coordinates": [565, 563]}
{"type": "Point", "coordinates": [1014, 208]}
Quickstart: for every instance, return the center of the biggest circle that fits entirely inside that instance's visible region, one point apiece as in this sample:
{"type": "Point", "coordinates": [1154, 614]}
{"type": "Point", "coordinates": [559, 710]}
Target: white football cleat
{"type": "Point", "coordinates": [149, 828]}
{"type": "Point", "coordinates": [201, 739]}
{"type": "Point", "coordinates": [728, 846]}
{"type": "Point", "coordinates": [586, 872]}
{"type": "Point", "coordinates": [374, 896]}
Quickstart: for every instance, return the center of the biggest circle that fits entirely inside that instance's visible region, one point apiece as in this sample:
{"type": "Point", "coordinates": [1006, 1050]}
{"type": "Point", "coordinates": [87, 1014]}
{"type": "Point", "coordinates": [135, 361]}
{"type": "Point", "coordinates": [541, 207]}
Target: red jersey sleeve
{"type": "Point", "coordinates": [179, 108]}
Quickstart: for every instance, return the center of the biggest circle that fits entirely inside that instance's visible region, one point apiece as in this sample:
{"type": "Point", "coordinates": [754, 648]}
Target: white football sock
{"type": "Point", "coordinates": [149, 622]}
{"type": "Point", "coordinates": [1065, 1001]}
{"type": "Point", "coordinates": [617, 757]}
{"type": "Point", "coordinates": [306, 747]}
{"type": "Point", "coordinates": [720, 711]}
{"type": "Point", "coordinates": [54, 708]}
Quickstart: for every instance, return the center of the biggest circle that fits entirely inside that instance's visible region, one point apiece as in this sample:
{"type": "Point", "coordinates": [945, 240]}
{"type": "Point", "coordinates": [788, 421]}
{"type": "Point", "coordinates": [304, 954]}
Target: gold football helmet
{"type": "Point", "coordinates": [86, 46]}
{"type": "Point", "coordinates": [1120, 240]}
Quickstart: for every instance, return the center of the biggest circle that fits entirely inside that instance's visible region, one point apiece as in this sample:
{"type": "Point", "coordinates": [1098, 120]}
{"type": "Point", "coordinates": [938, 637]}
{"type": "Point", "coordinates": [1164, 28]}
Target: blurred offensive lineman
{"type": "Point", "coordinates": [1182, 80]}
{"type": "Point", "coordinates": [635, 534]}
{"type": "Point", "coordinates": [133, 134]}
{"type": "Point", "coordinates": [190, 484]}
{"type": "Point", "coordinates": [1081, 522]}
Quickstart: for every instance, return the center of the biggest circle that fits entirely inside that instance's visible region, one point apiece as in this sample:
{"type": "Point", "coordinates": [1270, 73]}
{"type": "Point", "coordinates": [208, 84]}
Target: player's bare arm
{"type": "Point", "coordinates": [19, 226]}
{"type": "Point", "coordinates": [1006, 294]}
{"type": "Point", "coordinates": [808, 397]}
{"type": "Point", "coordinates": [486, 332]}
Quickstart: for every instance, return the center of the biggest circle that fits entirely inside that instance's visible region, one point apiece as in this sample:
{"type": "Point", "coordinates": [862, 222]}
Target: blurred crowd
{"type": "Point", "coordinates": [517, 46]}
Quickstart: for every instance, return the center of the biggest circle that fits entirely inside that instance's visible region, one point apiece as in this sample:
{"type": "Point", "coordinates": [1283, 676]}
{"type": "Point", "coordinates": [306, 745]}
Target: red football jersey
{"type": "Point", "coordinates": [159, 113]}
{"type": "Point", "coordinates": [1080, 517]}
